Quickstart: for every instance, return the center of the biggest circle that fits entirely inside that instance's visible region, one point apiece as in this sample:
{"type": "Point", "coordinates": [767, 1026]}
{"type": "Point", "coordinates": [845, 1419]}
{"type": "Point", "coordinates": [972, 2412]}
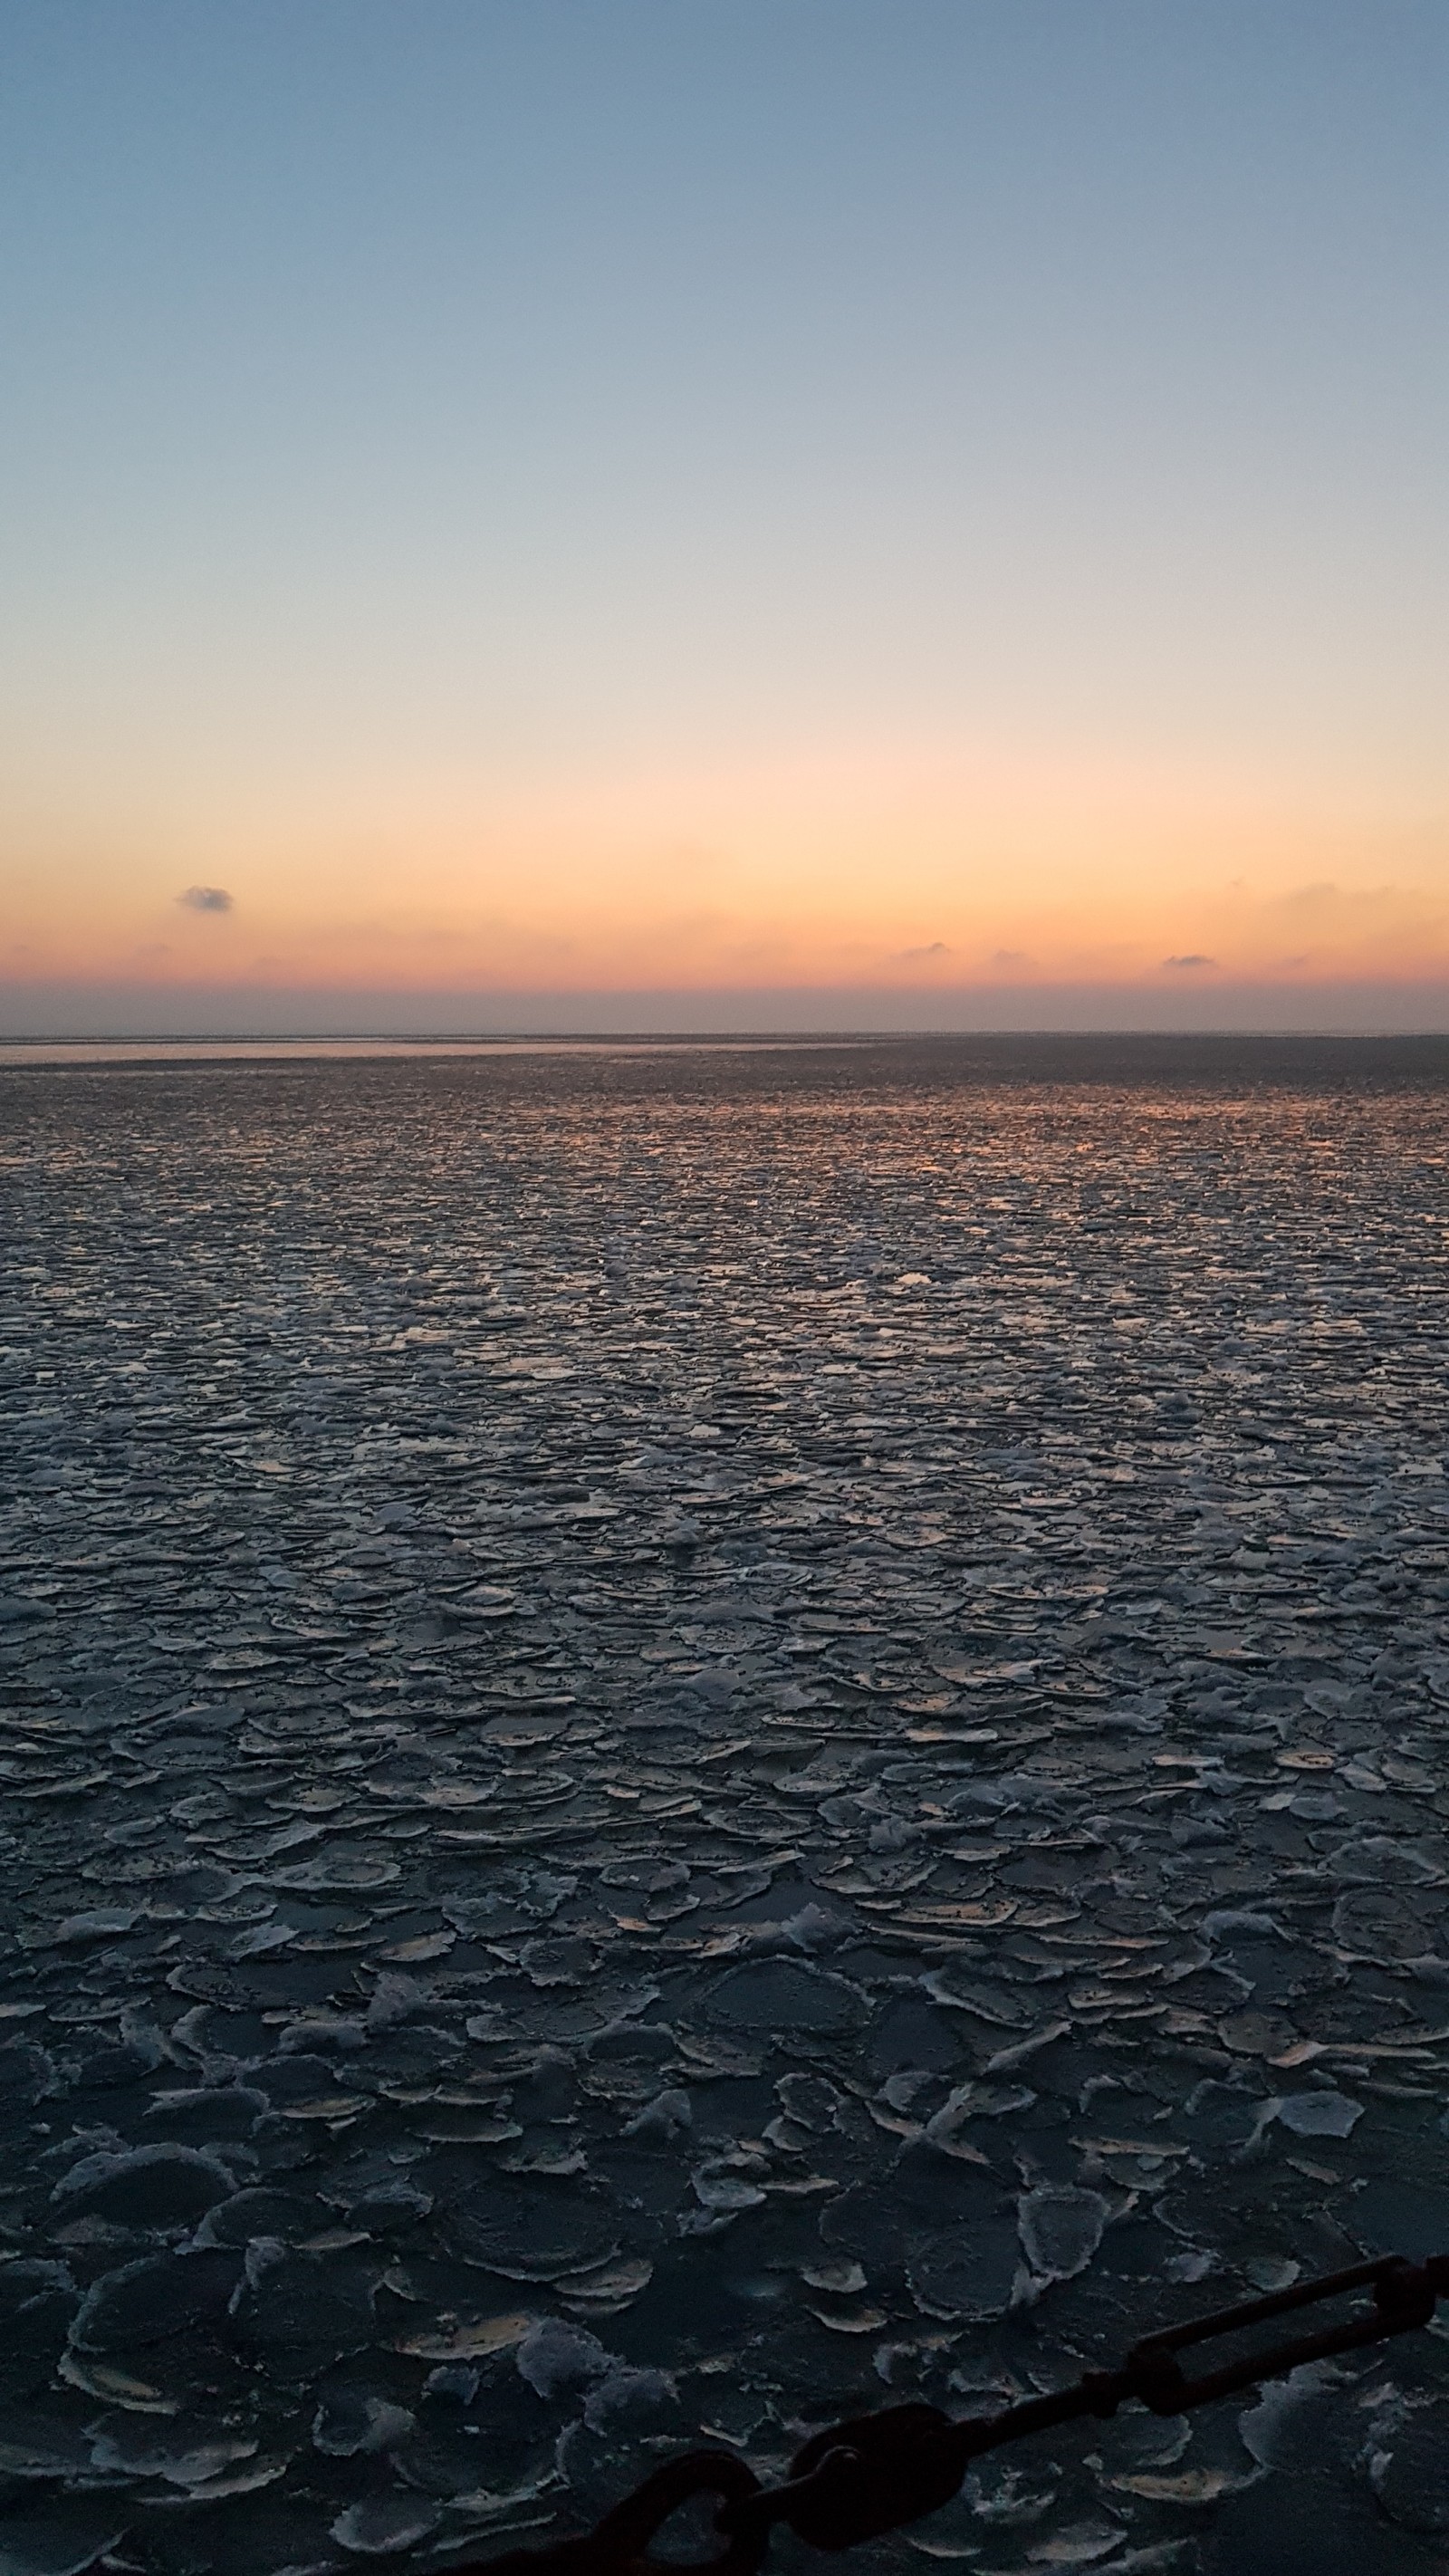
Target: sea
{"type": "Point", "coordinates": [697, 1738]}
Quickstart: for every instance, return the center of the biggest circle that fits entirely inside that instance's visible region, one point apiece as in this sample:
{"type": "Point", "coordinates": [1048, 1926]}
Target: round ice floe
{"type": "Point", "coordinates": [557, 1962]}
{"type": "Point", "coordinates": [378, 2526]}
{"type": "Point", "coordinates": [205, 2114]}
{"type": "Point", "coordinates": [969, 2273]}
{"type": "Point", "coordinates": [1281, 2429]}
{"type": "Point", "coordinates": [1319, 2115]}
{"type": "Point", "coordinates": [1377, 1860]}
{"type": "Point", "coordinates": [777, 1995]}
{"type": "Point", "coordinates": [628, 2399]}
{"type": "Point", "coordinates": [1380, 1924]}
{"type": "Point", "coordinates": [160, 2186]}
{"type": "Point", "coordinates": [1061, 2229]}
{"type": "Point", "coordinates": [350, 1870]}
{"type": "Point", "coordinates": [527, 2229]}
{"type": "Point", "coordinates": [349, 2420]}
{"type": "Point", "coordinates": [292, 2299]}
{"type": "Point", "coordinates": [555, 2357]}
{"type": "Point", "coordinates": [667, 2116]}
{"type": "Point", "coordinates": [262, 2212]}
{"type": "Point", "coordinates": [143, 2303]}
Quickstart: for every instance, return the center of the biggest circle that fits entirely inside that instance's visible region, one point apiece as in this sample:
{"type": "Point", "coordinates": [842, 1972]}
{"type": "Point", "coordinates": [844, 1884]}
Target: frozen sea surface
{"type": "Point", "coordinates": [692, 1742]}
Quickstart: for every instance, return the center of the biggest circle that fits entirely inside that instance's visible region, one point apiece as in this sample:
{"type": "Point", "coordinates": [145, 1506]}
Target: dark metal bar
{"type": "Point", "coordinates": [876, 2472]}
{"type": "Point", "coordinates": [1279, 2303]}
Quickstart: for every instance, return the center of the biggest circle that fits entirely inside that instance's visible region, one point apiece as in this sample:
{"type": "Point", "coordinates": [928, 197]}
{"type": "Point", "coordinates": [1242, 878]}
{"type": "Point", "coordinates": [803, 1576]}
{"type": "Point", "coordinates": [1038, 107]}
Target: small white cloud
{"type": "Point", "coordinates": [1192, 959]}
{"type": "Point", "coordinates": [916, 956]}
{"type": "Point", "coordinates": [206, 899]}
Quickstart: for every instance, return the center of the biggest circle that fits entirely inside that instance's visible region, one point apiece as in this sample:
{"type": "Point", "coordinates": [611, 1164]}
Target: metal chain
{"type": "Point", "coordinates": [874, 2473]}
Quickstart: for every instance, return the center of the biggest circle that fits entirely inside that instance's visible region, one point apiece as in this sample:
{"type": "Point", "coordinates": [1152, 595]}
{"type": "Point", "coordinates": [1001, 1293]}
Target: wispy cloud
{"type": "Point", "coordinates": [1192, 959]}
{"type": "Point", "coordinates": [206, 899]}
{"type": "Point", "coordinates": [917, 956]}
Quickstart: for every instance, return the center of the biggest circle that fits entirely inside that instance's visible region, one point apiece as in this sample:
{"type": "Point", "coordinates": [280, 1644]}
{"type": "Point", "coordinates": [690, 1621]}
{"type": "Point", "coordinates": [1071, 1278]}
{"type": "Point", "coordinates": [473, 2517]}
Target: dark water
{"type": "Point", "coordinates": [692, 1742]}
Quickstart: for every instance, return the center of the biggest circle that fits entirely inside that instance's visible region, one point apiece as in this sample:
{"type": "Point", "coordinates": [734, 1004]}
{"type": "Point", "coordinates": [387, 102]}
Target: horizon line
{"type": "Point", "coordinates": [753, 1037]}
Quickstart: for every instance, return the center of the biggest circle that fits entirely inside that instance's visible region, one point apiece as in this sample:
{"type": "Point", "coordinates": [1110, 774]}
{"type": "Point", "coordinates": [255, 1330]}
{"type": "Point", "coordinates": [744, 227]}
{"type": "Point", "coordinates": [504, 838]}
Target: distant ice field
{"type": "Point", "coordinates": [693, 1740]}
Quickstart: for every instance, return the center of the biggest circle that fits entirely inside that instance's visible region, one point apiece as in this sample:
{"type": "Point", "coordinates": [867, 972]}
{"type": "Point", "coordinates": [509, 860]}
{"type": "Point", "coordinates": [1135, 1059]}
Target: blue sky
{"type": "Point", "coordinates": [453, 448]}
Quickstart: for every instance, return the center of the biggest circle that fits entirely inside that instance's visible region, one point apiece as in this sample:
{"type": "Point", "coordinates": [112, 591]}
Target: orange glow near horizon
{"type": "Point", "coordinates": [905, 869]}
{"type": "Point", "coordinates": [652, 503]}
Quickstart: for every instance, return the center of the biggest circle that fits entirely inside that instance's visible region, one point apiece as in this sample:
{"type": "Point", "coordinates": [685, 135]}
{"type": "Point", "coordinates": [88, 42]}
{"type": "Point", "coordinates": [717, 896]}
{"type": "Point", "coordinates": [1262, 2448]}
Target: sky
{"type": "Point", "coordinates": [724, 513]}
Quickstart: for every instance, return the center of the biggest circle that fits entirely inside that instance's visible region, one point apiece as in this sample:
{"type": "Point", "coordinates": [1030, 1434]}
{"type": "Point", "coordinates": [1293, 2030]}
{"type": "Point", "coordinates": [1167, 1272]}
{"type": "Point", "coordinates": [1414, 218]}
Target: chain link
{"type": "Point", "coordinates": [874, 2473]}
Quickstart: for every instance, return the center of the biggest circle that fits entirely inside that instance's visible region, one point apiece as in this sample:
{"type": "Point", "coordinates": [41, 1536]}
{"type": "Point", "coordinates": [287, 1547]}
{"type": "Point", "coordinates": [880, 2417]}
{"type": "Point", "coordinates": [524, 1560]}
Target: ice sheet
{"type": "Point", "coordinates": [690, 1744]}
